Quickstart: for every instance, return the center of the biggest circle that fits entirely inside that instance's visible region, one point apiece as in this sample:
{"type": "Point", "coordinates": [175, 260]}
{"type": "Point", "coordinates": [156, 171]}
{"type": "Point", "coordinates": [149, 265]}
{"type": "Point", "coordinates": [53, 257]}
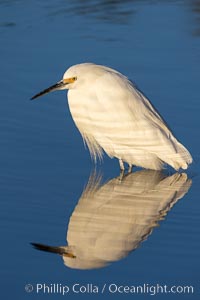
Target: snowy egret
{"type": "Point", "coordinates": [113, 115]}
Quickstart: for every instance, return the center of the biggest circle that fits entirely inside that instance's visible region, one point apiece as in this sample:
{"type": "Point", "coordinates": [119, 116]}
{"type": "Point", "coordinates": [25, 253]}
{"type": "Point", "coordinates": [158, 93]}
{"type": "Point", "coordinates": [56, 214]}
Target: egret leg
{"type": "Point", "coordinates": [130, 168]}
{"type": "Point", "coordinates": [121, 164]}
{"type": "Point", "coordinates": [121, 175]}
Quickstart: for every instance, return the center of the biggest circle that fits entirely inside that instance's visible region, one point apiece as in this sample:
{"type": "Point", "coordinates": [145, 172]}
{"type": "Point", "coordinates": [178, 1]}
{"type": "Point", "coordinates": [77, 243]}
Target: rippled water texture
{"type": "Point", "coordinates": [140, 229]}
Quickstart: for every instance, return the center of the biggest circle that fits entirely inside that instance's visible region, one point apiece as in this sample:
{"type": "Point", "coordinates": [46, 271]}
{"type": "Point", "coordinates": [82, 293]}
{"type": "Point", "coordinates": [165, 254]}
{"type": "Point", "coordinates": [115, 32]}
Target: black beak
{"type": "Point", "coordinates": [58, 86]}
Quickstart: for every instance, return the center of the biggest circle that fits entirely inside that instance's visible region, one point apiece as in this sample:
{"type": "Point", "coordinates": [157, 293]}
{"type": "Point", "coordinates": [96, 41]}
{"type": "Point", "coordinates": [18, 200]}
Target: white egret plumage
{"type": "Point", "coordinates": [113, 115]}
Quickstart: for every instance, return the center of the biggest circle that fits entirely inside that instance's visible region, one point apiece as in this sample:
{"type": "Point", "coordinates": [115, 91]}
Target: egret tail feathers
{"type": "Point", "coordinates": [180, 158]}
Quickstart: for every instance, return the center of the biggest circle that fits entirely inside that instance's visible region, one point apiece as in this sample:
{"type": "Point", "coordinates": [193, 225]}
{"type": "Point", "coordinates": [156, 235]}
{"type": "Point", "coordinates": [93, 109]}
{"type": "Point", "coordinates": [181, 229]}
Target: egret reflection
{"type": "Point", "coordinates": [112, 219]}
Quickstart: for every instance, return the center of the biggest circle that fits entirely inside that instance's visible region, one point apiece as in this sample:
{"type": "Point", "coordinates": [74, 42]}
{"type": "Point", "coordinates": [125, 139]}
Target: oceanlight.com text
{"type": "Point", "coordinates": [109, 288]}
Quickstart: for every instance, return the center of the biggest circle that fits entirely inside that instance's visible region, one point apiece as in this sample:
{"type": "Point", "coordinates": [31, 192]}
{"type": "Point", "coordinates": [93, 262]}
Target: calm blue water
{"type": "Point", "coordinates": [45, 167]}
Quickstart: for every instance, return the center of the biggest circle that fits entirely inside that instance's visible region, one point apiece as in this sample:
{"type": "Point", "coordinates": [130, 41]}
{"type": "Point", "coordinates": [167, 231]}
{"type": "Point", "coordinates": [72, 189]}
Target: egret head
{"type": "Point", "coordinates": [75, 76]}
